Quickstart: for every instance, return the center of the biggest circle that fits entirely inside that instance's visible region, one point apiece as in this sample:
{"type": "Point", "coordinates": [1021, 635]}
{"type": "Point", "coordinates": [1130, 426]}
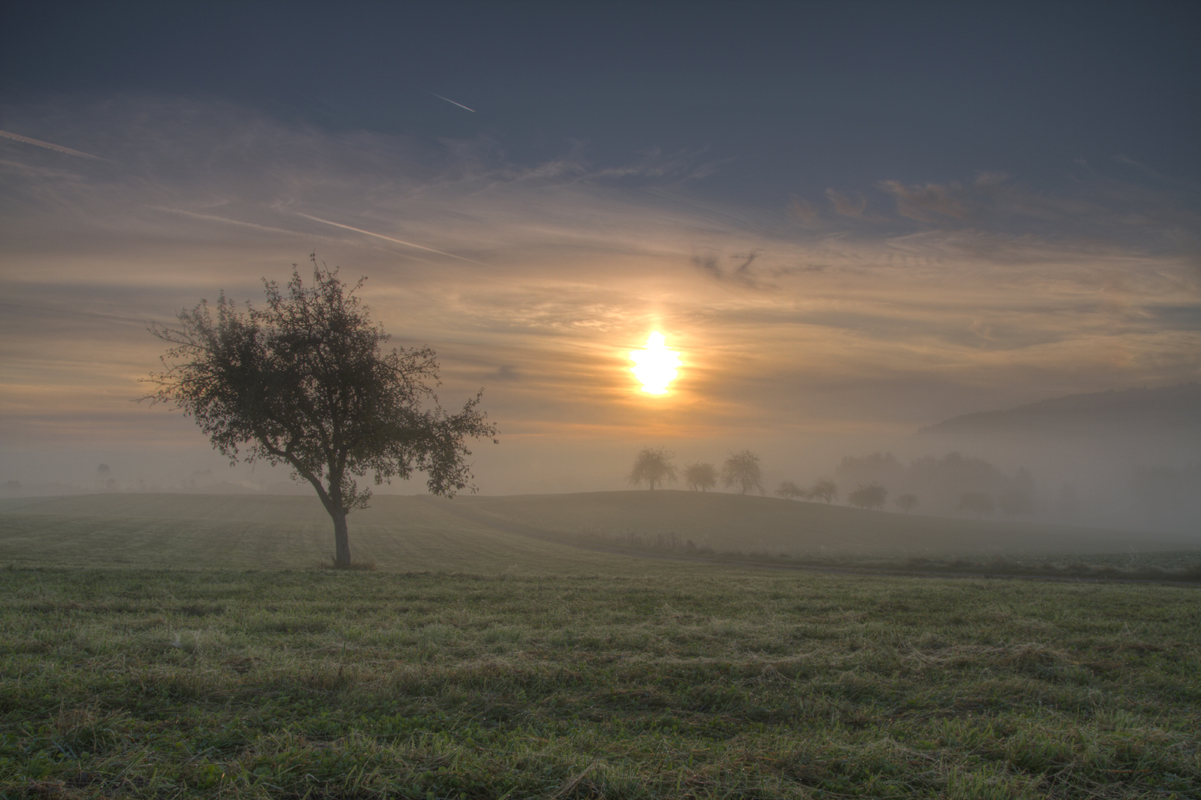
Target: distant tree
{"type": "Point", "coordinates": [978, 503]}
{"type": "Point", "coordinates": [824, 489]}
{"type": "Point", "coordinates": [303, 382]}
{"type": "Point", "coordinates": [790, 491]}
{"type": "Point", "coordinates": [743, 470]}
{"type": "Point", "coordinates": [652, 466]}
{"type": "Point", "coordinates": [871, 496]}
{"type": "Point", "coordinates": [104, 477]}
{"type": "Point", "coordinates": [906, 502]}
{"type": "Point", "coordinates": [700, 477]}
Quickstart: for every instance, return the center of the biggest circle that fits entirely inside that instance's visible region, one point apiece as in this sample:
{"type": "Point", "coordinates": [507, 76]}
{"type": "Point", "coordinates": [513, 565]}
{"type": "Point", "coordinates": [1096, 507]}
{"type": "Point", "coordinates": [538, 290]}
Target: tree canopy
{"type": "Point", "coordinates": [303, 381]}
{"type": "Point", "coordinates": [790, 491]}
{"type": "Point", "coordinates": [871, 496]}
{"type": "Point", "coordinates": [653, 466]}
{"type": "Point", "coordinates": [700, 477]}
{"type": "Point", "coordinates": [743, 470]}
{"type": "Point", "coordinates": [824, 489]}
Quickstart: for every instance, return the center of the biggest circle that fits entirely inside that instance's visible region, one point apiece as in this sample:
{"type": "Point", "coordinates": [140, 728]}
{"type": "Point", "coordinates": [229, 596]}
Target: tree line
{"type": "Point", "coordinates": [654, 466]}
{"type": "Point", "coordinates": [953, 483]}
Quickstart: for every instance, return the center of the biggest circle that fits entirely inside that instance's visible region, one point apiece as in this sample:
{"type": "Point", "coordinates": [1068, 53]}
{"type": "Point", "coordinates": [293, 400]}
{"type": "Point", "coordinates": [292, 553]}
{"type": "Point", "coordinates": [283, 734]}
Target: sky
{"type": "Point", "coordinates": [850, 220]}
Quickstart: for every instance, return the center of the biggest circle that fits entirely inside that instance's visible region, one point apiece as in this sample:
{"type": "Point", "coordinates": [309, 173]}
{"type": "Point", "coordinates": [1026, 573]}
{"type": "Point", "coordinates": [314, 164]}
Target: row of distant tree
{"type": "Point", "coordinates": [953, 483]}
{"type": "Point", "coordinates": [654, 466]}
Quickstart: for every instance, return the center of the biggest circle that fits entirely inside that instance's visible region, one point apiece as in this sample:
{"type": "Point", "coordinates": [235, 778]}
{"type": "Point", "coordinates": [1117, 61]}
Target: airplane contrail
{"type": "Point", "coordinates": [452, 102]}
{"type": "Point", "coordinates": [39, 143]}
{"type": "Point", "coordinates": [226, 220]}
{"type": "Point", "coordinates": [389, 238]}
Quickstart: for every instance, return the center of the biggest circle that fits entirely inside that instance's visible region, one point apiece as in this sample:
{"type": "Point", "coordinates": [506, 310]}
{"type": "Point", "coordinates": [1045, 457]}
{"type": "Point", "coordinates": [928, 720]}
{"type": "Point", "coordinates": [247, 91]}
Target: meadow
{"type": "Point", "coordinates": [157, 658]}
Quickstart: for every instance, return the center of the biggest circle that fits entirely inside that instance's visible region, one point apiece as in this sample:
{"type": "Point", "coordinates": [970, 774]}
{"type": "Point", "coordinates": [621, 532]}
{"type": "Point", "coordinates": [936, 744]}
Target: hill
{"type": "Point", "coordinates": [1100, 415]}
{"type": "Point", "coordinates": [520, 534]}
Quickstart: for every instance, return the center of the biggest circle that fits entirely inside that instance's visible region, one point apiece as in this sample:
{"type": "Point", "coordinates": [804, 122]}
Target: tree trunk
{"type": "Point", "coordinates": [341, 539]}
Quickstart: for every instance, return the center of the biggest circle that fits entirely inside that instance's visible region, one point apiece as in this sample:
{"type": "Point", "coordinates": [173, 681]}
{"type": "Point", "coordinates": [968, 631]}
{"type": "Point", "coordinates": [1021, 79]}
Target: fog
{"type": "Point", "coordinates": [1120, 460]}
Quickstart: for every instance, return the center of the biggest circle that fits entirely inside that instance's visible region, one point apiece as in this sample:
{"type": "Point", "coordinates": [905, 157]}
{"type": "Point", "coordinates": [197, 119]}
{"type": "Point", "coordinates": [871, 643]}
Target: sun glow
{"type": "Point", "coordinates": [655, 365]}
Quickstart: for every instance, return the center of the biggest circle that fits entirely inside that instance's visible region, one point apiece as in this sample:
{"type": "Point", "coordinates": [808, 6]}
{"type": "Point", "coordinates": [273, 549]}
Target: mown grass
{"type": "Point", "coordinates": [665, 681]}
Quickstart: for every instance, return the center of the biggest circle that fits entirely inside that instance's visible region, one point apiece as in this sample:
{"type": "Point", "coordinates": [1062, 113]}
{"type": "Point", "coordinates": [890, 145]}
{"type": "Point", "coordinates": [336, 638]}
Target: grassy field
{"type": "Point", "coordinates": [480, 663]}
{"type": "Point", "coordinates": [492, 534]}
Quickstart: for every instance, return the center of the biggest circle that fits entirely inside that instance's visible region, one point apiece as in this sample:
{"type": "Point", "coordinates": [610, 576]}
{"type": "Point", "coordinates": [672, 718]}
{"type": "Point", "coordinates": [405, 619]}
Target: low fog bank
{"type": "Point", "coordinates": [1121, 460]}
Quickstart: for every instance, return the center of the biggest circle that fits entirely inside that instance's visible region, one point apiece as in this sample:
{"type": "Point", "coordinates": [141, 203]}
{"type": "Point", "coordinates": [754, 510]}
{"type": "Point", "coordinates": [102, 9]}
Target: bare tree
{"type": "Point", "coordinates": [743, 470]}
{"type": "Point", "coordinates": [653, 466]}
{"type": "Point", "coordinates": [303, 382]}
{"type": "Point", "coordinates": [700, 477]}
{"type": "Point", "coordinates": [790, 491]}
{"type": "Point", "coordinates": [906, 502]}
{"type": "Point", "coordinates": [871, 496]}
{"type": "Point", "coordinates": [824, 489]}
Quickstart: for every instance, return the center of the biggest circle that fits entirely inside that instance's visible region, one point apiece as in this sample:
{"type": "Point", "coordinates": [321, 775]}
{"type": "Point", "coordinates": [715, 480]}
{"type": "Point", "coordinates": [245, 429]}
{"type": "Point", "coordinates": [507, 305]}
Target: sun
{"type": "Point", "coordinates": [655, 365]}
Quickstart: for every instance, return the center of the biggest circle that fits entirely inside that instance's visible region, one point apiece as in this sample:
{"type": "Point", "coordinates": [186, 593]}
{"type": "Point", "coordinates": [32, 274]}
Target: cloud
{"type": "Point", "coordinates": [845, 205]}
{"type": "Point", "coordinates": [555, 270]}
{"type": "Point", "coordinates": [57, 148]}
{"type": "Point", "coordinates": [1100, 209]}
{"type": "Point", "coordinates": [506, 373]}
{"type": "Point", "coordinates": [740, 271]}
{"type": "Point", "coordinates": [804, 212]}
{"type": "Point", "coordinates": [929, 202]}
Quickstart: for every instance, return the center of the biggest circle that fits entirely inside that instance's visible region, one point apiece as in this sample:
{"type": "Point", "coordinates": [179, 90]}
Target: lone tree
{"type": "Point", "coordinates": [700, 477]}
{"type": "Point", "coordinates": [824, 489]}
{"type": "Point", "coordinates": [790, 491]}
{"type": "Point", "coordinates": [742, 470]}
{"type": "Point", "coordinates": [871, 496]}
{"type": "Point", "coordinates": [906, 502]}
{"type": "Point", "coordinates": [304, 382]}
{"type": "Point", "coordinates": [652, 466]}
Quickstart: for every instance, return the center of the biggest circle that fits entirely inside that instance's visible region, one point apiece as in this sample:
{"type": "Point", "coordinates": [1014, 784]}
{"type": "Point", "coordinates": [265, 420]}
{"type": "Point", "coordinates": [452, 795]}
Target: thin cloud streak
{"type": "Point", "coordinates": [452, 102]}
{"type": "Point", "coordinates": [49, 146]}
{"type": "Point", "coordinates": [388, 238]}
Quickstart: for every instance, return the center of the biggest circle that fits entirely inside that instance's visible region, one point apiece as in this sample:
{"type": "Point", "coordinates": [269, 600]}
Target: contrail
{"type": "Point", "coordinates": [389, 238]}
{"type": "Point", "coordinates": [19, 138]}
{"type": "Point", "coordinates": [452, 102]}
{"type": "Point", "coordinates": [226, 220]}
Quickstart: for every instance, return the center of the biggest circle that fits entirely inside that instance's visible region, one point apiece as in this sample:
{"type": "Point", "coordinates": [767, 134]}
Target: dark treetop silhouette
{"type": "Point", "coordinates": [304, 382]}
{"type": "Point", "coordinates": [652, 466]}
{"type": "Point", "coordinates": [743, 470]}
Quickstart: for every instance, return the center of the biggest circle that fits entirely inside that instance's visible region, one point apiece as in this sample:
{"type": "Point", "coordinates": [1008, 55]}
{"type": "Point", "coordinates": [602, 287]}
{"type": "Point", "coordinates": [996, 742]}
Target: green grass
{"type": "Point", "coordinates": [140, 658]}
{"type": "Point", "coordinates": [706, 683]}
{"type": "Point", "coordinates": [531, 533]}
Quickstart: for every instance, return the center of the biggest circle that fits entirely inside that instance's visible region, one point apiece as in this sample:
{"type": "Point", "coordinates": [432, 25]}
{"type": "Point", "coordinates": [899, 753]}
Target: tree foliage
{"type": "Point", "coordinates": [303, 381]}
{"type": "Point", "coordinates": [906, 502]}
{"type": "Point", "coordinates": [700, 477]}
{"type": "Point", "coordinates": [743, 470]}
{"type": "Point", "coordinates": [871, 496]}
{"type": "Point", "coordinates": [824, 489]}
{"type": "Point", "coordinates": [790, 491]}
{"type": "Point", "coordinates": [653, 466]}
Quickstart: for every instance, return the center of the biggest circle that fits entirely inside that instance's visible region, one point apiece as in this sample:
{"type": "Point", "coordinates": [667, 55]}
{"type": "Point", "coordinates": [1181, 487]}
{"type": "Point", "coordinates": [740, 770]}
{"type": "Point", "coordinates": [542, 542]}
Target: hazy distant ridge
{"type": "Point", "coordinates": [1100, 414]}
